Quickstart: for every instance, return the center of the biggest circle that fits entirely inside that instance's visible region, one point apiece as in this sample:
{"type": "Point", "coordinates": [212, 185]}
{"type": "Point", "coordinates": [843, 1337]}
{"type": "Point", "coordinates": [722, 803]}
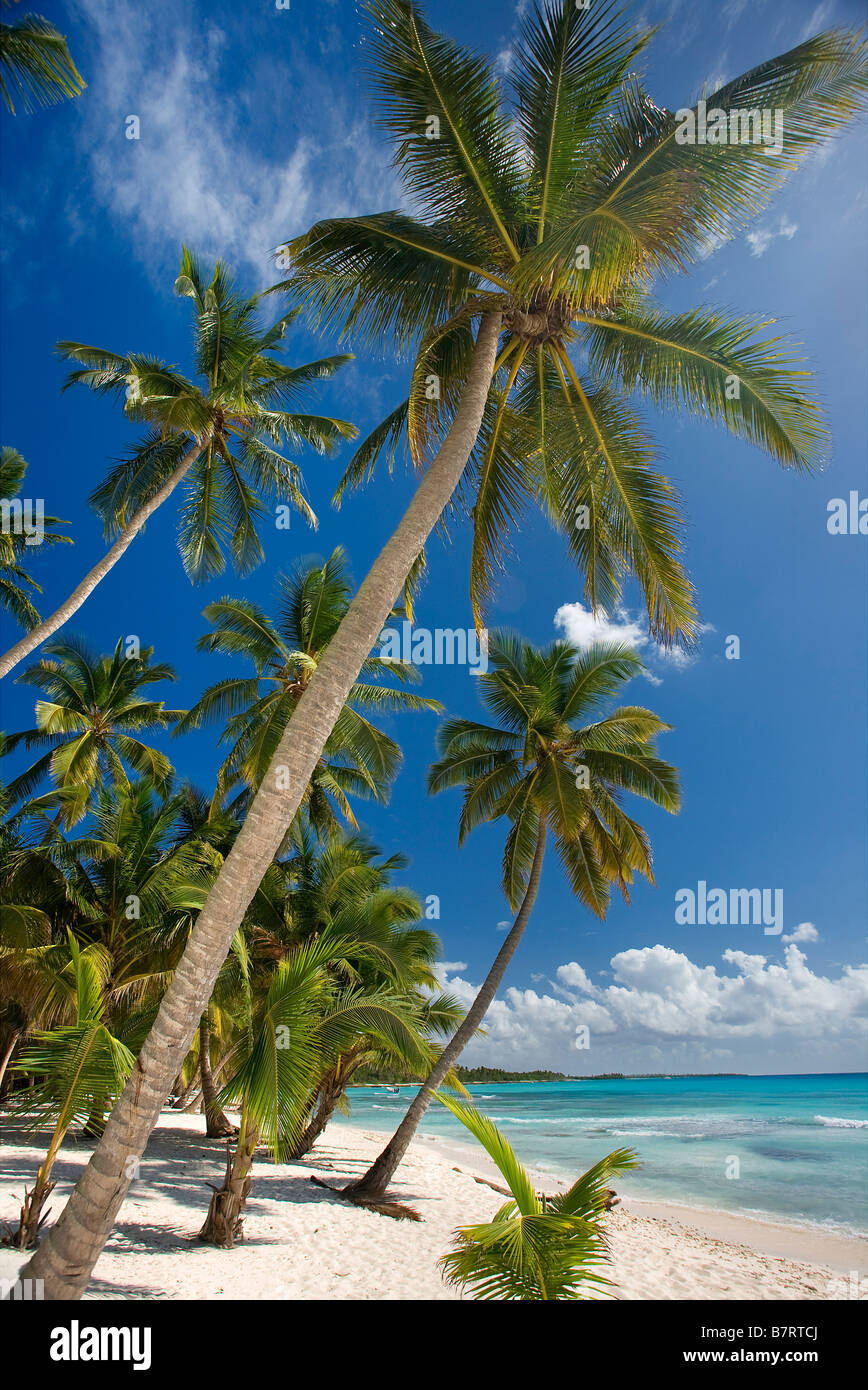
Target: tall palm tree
{"type": "Point", "coordinates": [590, 162]}
{"type": "Point", "coordinates": [547, 770]}
{"type": "Point", "coordinates": [220, 433]}
{"type": "Point", "coordinates": [35, 63]}
{"type": "Point", "coordinates": [90, 721]}
{"type": "Point", "coordinates": [358, 758]}
{"type": "Point", "coordinates": [15, 543]}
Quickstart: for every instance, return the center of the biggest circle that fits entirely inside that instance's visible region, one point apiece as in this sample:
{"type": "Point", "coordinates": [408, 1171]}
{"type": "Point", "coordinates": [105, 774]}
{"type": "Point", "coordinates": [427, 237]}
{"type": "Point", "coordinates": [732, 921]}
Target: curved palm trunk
{"type": "Point", "coordinates": [31, 640]}
{"type": "Point", "coordinates": [217, 1126]}
{"type": "Point", "coordinates": [374, 1183]}
{"type": "Point", "coordinates": [65, 1259]}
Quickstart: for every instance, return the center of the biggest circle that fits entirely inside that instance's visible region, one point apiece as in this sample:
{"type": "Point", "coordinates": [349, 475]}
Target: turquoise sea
{"type": "Point", "coordinates": [801, 1141]}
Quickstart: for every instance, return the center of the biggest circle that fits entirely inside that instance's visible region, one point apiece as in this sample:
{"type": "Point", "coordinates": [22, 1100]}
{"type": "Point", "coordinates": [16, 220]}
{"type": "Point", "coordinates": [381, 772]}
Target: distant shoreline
{"type": "Point", "coordinates": [554, 1078]}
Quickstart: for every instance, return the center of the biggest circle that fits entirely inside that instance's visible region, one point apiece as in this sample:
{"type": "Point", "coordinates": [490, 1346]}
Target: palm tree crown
{"type": "Point", "coordinates": [358, 757]}
{"type": "Point", "coordinates": [90, 721]}
{"type": "Point", "coordinates": [555, 210]}
{"type": "Point", "coordinates": [555, 762]}
{"type": "Point", "coordinates": [245, 405]}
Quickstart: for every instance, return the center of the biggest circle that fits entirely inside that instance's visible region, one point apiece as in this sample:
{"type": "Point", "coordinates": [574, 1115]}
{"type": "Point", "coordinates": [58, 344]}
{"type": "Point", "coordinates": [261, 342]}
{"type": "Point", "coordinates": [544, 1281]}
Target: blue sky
{"type": "Point", "coordinates": [254, 124]}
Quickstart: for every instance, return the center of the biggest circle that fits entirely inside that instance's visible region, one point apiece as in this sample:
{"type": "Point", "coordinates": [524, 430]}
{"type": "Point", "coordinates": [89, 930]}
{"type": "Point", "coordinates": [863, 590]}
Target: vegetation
{"type": "Point", "coordinates": [555, 763]}
{"type": "Point", "coordinates": [536, 1247]}
{"type": "Point", "coordinates": [473, 1075]}
{"type": "Point", "coordinates": [243, 944]}
{"type": "Point", "coordinates": [218, 434]}
{"type": "Point", "coordinates": [36, 68]}
{"type": "Point", "coordinates": [15, 546]}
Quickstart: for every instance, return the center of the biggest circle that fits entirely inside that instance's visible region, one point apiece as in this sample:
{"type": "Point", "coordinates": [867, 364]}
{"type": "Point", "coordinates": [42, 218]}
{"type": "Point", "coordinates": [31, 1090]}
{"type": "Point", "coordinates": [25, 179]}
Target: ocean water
{"type": "Point", "coordinates": [801, 1142]}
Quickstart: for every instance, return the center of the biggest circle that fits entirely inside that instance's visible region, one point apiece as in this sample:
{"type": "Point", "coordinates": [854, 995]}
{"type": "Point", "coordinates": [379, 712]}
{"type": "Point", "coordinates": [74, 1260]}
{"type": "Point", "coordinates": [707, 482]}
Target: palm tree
{"type": "Point", "coordinates": [81, 1063]}
{"type": "Point", "coordinates": [94, 710]}
{"type": "Point", "coordinates": [536, 1248]}
{"type": "Point", "coordinates": [285, 651]}
{"type": "Point", "coordinates": [344, 887]}
{"type": "Point", "coordinates": [299, 1026]}
{"type": "Point", "coordinates": [129, 887]}
{"type": "Point", "coordinates": [591, 162]}
{"type": "Point", "coordinates": [15, 542]}
{"type": "Point", "coordinates": [34, 906]}
{"type": "Point", "coordinates": [545, 768]}
{"type": "Point", "coordinates": [35, 63]}
{"type": "Point", "coordinates": [220, 435]}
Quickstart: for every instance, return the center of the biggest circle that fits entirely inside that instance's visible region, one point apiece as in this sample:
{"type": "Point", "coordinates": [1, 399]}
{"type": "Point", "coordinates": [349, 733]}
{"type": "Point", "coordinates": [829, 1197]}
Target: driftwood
{"type": "Point", "coordinates": [612, 1198]}
{"type": "Point", "coordinates": [398, 1210]}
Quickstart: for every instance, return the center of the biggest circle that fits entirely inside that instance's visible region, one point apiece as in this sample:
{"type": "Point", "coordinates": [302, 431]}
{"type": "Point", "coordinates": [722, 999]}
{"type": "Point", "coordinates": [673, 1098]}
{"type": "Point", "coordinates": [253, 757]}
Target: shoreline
{"type": "Point", "coordinates": [842, 1252]}
{"type": "Point", "coordinates": [303, 1242]}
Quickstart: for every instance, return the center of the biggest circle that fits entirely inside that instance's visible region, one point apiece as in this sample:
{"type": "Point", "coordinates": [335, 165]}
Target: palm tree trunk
{"type": "Point", "coordinates": [65, 1259]}
{"type": "Point", "coordinates": [31, 640]}
{"type": "Point", "coordinates": [7, 1055]}
{"type": "Point", "coordinates": [374, 1183]}
{"type": "Point", "coordinates": [329, 1096]}
{"type": "Point", "coordinates": [224, 1223]}
{"type": "Point", "coordinates": [217, 1126]}
{"type": "Point", "coordinates": [181, 1101]}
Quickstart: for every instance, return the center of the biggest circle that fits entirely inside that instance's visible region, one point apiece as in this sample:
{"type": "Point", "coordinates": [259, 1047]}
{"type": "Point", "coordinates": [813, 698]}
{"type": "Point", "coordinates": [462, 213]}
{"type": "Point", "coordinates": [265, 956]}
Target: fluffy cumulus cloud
{"type": "Point", "coordinates": [805, 932]}
{"type": "Point", "coordinates": [662, 1011]}
{"type": "Point", "coordinates": [583, 627]}
{"type": "Point", "coordinates": [213, 167]}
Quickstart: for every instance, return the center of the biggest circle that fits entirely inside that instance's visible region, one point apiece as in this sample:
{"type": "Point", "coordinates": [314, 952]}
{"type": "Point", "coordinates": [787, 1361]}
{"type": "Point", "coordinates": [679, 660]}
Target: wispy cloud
{"type": "Point", "coordinates": [819, 20]}
{"type": "Point", "coordinates": [213, 166]}
{"type": "Point", "coordinates": [761, 238]}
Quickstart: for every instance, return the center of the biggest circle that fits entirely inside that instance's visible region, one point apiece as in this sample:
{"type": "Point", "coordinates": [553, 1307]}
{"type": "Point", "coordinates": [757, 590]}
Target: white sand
{"type": "Point", "coordinates": [302, 1243]}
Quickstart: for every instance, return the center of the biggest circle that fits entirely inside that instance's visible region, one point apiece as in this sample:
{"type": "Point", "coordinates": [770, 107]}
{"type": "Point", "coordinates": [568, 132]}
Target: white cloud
{"type": "Point", "coordinates": [451, 967]}
{"type": "Point", "coordinates": [574, 977]}
{"type": "Point", "coordinates": [504, 926]}
{"type": "Point", "coordinates": [804, 932]}
{"type": "Point", "coordinates": [661, 1004]}
{"type": "Point", "coordinates": [583, 628]}
{"type": "Point", "coordinates": [761, 238]}
{"type": "Point", "coordinates": [215, 172]}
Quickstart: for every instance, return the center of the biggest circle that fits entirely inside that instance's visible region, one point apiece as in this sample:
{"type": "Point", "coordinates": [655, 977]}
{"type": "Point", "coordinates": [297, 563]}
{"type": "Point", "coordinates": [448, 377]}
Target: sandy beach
{"type": "Point", "coordinates": [303, 1243]}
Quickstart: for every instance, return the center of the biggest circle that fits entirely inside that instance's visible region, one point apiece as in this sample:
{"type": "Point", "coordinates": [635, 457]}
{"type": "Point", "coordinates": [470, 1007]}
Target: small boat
{"type": "Point", "coordinates": [393, 1090]}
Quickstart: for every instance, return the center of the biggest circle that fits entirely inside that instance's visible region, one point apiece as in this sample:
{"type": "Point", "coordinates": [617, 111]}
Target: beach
{"type": "Point", "coordinates": [302, 1242]}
